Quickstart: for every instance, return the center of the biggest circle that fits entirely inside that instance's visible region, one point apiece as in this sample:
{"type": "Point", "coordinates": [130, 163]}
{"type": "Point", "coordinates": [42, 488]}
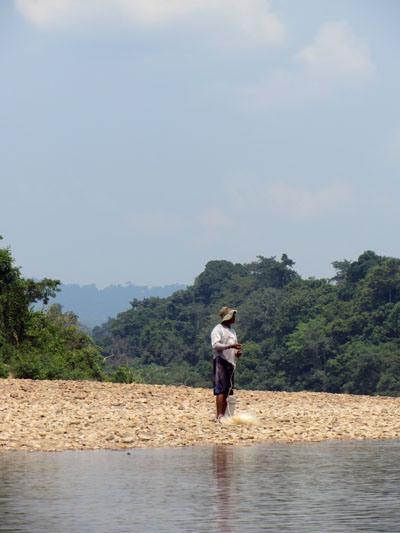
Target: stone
{"type": "Point", "coordinates": [46, 415]}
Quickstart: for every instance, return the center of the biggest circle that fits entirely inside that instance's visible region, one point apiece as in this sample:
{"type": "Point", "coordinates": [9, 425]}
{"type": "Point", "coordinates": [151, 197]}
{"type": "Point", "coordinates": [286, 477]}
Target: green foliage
{"type": "Point", "coordinates": [125, 374]}
{"type": "Point", "coordinates": [308, 349]}
{"type": "Point", "coordinates": [339, 335]}
{"type": "Point", "coordinates": [40, 344]}
{"type": "Point", "coordinates": [4, 370]}
{"type": "Point", "coordinates": [16, 297]}
{"type": "Point", "coordinates": [56, 349]}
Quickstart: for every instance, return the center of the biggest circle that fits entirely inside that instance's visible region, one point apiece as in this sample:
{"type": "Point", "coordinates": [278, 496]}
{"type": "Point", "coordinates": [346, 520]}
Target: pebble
{"type": "Point", "coordinates": [46, 416]}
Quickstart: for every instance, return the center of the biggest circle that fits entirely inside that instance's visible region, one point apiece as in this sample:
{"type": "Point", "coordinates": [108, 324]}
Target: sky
{"type": "Point", "coordinates": [140, 139]}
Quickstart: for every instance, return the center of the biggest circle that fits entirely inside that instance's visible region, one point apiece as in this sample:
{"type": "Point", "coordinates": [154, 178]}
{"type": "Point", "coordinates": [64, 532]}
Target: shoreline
{"type": "Point", "coordinates": [85, 415]}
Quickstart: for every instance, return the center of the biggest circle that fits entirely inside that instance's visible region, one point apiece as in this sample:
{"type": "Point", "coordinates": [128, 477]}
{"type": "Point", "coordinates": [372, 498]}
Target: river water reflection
{"type": "Point", "coordinates": [326, 487]}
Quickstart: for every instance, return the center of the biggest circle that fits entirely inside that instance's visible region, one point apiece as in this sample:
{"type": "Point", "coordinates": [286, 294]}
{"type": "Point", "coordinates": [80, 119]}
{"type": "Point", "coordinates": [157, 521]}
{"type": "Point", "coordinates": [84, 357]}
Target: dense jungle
{"type": "Point", "coordinates": [335, 335]}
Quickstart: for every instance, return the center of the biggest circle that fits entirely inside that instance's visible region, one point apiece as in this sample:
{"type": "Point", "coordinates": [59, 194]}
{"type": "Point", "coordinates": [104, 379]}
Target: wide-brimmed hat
{"type": "Point", "coordinates": [226, 313]}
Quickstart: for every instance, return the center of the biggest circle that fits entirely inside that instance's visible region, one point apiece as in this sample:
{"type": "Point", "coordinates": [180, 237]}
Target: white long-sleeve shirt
{"type": "Point", "coordinates": [222, 338]}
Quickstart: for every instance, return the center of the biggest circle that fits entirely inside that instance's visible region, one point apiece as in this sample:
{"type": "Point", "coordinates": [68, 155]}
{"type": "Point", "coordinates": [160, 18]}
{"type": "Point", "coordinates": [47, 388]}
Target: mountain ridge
{"type": "Point", "coordinates": [95, 306]}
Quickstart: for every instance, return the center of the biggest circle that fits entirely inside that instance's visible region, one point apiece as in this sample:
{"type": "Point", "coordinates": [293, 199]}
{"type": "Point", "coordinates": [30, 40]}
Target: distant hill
{"type": "Point", "coordinates": [94, 306]}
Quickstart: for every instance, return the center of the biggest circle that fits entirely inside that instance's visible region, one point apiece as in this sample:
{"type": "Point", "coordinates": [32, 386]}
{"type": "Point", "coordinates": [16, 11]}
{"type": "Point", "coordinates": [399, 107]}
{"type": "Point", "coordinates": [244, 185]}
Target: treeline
{"type": "Point", "coordinates": [38, 340]}
{"type": "Point", "coordinates": [40, 344]}
{"type": "Point", "coordinates": [337, 335]}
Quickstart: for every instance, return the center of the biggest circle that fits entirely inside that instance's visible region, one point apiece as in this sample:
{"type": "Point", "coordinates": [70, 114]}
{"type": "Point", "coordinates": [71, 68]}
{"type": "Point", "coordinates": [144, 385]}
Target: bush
{"type": "Point", "coordinates": [4, 370]}
{"type": "Point", "coordinates": [28, 366]}
{"type": "Point", "coordinates": [125, 374]}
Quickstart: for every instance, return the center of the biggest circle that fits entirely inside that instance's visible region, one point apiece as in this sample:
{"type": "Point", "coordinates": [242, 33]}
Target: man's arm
{"type": "Point", "coordinates": [216, 338]}
{"type": "Point", "coordinates": [220, 347]}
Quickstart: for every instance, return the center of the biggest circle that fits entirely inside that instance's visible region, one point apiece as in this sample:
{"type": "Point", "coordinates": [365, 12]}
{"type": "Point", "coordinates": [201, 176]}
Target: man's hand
{"type": "Point", "coordinates": [238, 348]}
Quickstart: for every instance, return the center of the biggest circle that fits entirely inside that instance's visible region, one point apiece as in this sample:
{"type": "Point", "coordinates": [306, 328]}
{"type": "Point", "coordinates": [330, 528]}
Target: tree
{"type": "Point", "coordinates": [39, 344]}
{"type": "Point", "coordinates": [309, 347]}
{"type": "Point", "coordinates": [298, 333]}
{"type": "Point", "coordinates": [16, 296]}
{"type": "Point", "coordinates": [380, 285]}
{"type": "Point", "coordinates": [210, 284]}
{"type": "Point", "coordinates": [269, 272]}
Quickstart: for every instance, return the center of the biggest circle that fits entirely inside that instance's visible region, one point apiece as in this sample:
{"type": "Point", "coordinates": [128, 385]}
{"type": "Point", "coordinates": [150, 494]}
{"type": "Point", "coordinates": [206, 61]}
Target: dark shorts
{"type": "Point", "coordinates": [223, 376]}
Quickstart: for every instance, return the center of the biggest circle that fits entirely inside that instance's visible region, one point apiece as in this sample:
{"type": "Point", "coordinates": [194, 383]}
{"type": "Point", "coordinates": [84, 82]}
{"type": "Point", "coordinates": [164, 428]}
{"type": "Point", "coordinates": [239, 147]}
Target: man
{"type": "Point", "coordinates": [225, 351]}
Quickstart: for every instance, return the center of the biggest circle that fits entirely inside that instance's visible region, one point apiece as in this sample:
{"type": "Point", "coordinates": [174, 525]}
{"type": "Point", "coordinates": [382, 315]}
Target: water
{"type": "Point", "coordinates": [327, 487]}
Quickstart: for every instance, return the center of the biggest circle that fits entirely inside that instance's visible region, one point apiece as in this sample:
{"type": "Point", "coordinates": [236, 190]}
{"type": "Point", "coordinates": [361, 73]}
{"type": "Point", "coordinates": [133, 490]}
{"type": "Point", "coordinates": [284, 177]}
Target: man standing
{"type": "Point", "coordinates": [225, 351]}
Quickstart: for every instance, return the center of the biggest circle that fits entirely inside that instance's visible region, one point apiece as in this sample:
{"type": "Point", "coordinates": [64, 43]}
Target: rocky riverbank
{"type": "Point", "coordinates": [70, 415]}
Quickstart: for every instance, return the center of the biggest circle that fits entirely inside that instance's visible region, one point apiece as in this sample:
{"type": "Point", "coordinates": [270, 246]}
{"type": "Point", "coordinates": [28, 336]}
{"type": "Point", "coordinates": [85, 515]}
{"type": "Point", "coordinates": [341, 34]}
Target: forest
{"type": "Point", "coordinates": [41, 344]}
{"type": "Point", "coordinates": [334, 335]}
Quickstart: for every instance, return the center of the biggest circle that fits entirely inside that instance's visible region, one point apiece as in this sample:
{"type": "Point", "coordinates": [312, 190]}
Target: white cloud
{"type": "Point", "coordinates": [336, 52]}
{"type": "Point", "coordinates": [334, 61]}
{"type": "Point", "coordinates": [252, 20]}
{"type": "Point", "coordinates": [44, 12]}
{"type": "Point", "coordinates": [299, 203]}
{"type": "Point", "coordinates": [282, 88]}
{"type": "Point", "coordinates": [294, 201]}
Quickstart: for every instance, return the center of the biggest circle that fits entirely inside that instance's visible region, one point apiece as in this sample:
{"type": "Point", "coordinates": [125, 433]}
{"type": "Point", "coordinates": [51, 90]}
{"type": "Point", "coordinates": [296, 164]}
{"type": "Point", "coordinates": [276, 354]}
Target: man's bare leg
{"type": "Point", "coordinates": [221, 404]}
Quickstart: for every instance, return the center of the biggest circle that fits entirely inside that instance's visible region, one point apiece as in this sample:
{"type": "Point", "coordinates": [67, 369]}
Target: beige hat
{"type": "Point", "coordinates": [226, 313]}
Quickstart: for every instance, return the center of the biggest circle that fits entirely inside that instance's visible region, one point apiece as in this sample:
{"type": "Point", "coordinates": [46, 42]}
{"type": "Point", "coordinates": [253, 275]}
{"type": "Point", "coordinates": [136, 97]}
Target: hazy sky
{"type": "Point", "coordinates": [140, 139]}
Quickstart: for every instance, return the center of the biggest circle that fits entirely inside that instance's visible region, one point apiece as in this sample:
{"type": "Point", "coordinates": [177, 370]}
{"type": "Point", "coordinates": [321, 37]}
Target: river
{"type": "Point", "coordinates": [318, 487]}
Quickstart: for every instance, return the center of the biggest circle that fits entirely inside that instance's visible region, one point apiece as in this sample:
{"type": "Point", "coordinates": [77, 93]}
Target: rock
{"type": "Point", "coordinates": [46, 415]}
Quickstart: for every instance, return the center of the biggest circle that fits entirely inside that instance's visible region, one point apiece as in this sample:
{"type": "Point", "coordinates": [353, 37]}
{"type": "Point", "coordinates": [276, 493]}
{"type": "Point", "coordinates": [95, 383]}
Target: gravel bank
{"type": "Point", "coordinates": [70, 415]}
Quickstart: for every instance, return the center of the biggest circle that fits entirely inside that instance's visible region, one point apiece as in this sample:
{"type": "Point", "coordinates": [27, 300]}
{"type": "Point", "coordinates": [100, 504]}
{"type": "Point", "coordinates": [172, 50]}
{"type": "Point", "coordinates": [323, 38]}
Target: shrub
{"type": "Point", "coordinates": [125, 374]}
{"type": "Point", "coordinates": [4, 370]}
